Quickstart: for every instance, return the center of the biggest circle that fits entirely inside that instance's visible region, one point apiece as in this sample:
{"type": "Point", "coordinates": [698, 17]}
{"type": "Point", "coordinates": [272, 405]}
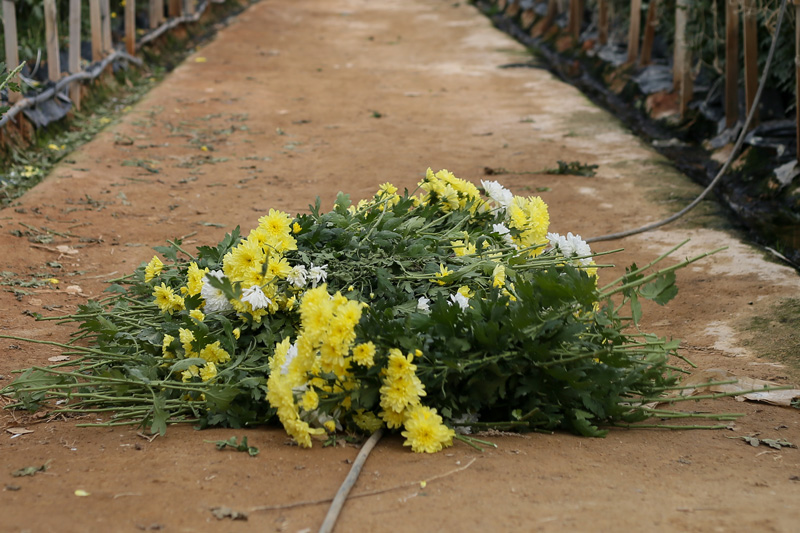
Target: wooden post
{"type": "Point", "coordinates": [750, 57]}
{"type": "Point", "coordinates": [160, 11]}
{"type": "Point", "coordinates": [731, 62]}
{"type": "Point", "coordinates": [602, 22]}
{"type": "Point", "coordinates": [575, 18]}
{"type": "Point", "coordinates": [130, 26]}
{"type": "Point", "coordinates": [12, 47]}
{"type": "Point", "coordinates": [634, 30]}
{"type": "Point", "coordinates": [153, 14]}
{"type": "Point", "coordinates": [175, 8]}
{"type": "Point", "coordinates": [649, 33]}
{"type": "Point", "coordinates": [191, 7]}
{"type": "Point", "coordinates": [550, 17]}
{"type": "Point", "coordinates": [74, 63]}
{"type": "Point", "coordinates": [97, 32]}
{"type": "Point", "coordinates": [105, 24]}
{"type": "Point", "coordinates": [51, 40]}
{"type": "Point", "coordinates": [682, 68]}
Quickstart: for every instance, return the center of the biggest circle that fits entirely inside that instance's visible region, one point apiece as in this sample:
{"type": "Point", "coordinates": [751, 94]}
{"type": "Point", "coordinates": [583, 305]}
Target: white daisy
{"type": "Point", "coordinates": [216, 302]}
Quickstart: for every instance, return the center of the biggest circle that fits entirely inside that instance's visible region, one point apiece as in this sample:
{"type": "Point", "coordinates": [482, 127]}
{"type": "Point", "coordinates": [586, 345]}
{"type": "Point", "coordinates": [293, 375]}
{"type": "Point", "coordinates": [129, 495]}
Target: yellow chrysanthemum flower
{"type": "Point", "coordinates": [153, 269]}
{"type": "Point", "coordinates": [443, 273]}
{"type": "Point", "coordinates": [392, 418]}
{"type": "Point", "coordinates": [237, 333]}
{"type": "Point", "coordinates": [213, 353]}
{"type": "Point", "coordinates": [165, 347]}
{"type": "Point", "coordinates": [208, 372]}
{"type": "Point", "coordinates": [364, 354]}
{"type": "Point", "coordinates": [425, 431]}
{"type": "Point", "coordinates": [166, 299]}
{"type": "Point", "coordinates": [194, 279]}
{"type": "Point", "coordinates": [192, 372]}
{"type": "Point", "coordinates": [367, 421]}
{"type": "Point", "coordinates": [187, 338]}
{"type": "Point", "coordinates": [197, 315]}
{"type": "Point", "coordinates": [499, 276]}
{"type": "Point", "coordinates": [310, 400]}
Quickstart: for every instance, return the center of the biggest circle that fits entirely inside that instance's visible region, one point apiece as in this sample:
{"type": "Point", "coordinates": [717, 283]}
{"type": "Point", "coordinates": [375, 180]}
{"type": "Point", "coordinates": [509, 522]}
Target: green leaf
{"type": "Point", "coordinates": [661, 290]}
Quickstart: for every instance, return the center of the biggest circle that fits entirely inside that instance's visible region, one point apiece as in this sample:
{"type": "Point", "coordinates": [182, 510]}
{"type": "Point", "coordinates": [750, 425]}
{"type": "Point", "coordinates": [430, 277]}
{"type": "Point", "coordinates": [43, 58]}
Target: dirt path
{"type": "Point", "coordinates": [309, 97]}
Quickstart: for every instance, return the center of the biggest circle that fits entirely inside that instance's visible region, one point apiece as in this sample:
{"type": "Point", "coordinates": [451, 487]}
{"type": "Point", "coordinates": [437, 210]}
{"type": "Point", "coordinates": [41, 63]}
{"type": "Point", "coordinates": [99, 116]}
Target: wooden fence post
{"type": "Point", "coordinates": [153, 14]}
{"type": "Point", "coordinates": [750, 57]}
{"type": "Point", "coordinates": [175, 8]}
{"type": "Point", "coordinates": [10, 40]}
{"type": "Point", "coordinates": [74, 63]}
{"type": "Point", "coordinates": [576, 8]}
{"type": "Point", "coordinates": [731, 62]}
{"type": "Point", "coordinates": [51, 40]}
{"type": "Point", "coordinates": [191, 6]}
{"type": "Point", "coordinates": [105, 24]}
{"type": "Point", "coordinates": [130, 26]}
{"type": "Point", "coordinates": [97, 32]}
{"type": "Point", "coordinates": [602, 22]}
{"type": "Point", "coordinates": [649, 33]}
{"type": "Point", "coordinates": [634, 30]}
{"type": "Point", "coordinates": [682, 68]}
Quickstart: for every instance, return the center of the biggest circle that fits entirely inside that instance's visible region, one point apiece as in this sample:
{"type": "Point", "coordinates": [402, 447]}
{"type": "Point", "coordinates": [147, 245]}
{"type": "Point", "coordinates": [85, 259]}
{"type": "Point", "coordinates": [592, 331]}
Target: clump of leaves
{"type": "Point", "coordinates": [574, 168]}
{"type": "Point", "coordinates": [238, 446]}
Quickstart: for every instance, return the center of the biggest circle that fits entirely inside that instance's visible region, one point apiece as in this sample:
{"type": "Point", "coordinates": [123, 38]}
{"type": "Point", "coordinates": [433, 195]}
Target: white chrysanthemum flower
{"type": "Point", "coordinates": [504, 232]}
{"type": "Point", "coordinates": [468, 418]}
{"type": "Point", "coordinates": [297, 276]}
{"type": "Point", "coordinates": [501, 196]}
{"type": "Point", "coordinates": [291, 353]}
{"type": "Point", "coordinates": [215, 299]}
{"type": "Point", "coordinates": [256, 297]}
{"type": "Point", "coordinates": [571, 246]}
{"type": "Point", "coordinates": [460, 299]}
{"type": "Point", "coordinates": [317, 274]}
{"type": "Point", "coordinates": [422, 304]}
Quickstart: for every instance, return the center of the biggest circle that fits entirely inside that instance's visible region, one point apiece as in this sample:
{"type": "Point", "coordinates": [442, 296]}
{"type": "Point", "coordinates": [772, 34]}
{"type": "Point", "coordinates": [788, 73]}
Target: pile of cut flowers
{"type": "Point", "coordinates": [432, 314]}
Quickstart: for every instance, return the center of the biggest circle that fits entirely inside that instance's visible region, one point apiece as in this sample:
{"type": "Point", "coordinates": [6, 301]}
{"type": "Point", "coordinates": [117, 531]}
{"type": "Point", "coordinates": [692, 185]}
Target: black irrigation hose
{"type": "Point", "coordinates": [728, 162]}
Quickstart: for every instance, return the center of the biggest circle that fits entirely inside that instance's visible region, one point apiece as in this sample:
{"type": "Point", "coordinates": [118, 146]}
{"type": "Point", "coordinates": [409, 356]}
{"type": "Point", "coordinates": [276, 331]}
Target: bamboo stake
{"type": "Point", "coordinates": [731, 62]}
{"type": "Point", "coordinates": [51, 40]}
{"type": "Point", "coordinates": [12, 47]}
{"type": "Point", "coordinates": [105, 24]}
{"type": "Point", "coordinates": [74, 63]}
{"type": "Point", "coordinates": [575, 18]}
{"type": "Point", "coordinates": [130, 26]}
{"type": "Point", "coordinates": [649, 33]}
{"type": "Point", "coordinates": [602, 22]}
{"type": "Point", "coordinates": [634, 30]}
{"type": "Point", "coordinates": [750, 56]}
{"type": "Point", "coordinates": [97, 33]}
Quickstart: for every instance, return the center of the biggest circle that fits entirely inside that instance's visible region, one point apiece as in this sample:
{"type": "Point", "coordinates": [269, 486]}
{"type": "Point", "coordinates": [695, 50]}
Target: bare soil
{"type": "Point", "coordinates": [309, 97]}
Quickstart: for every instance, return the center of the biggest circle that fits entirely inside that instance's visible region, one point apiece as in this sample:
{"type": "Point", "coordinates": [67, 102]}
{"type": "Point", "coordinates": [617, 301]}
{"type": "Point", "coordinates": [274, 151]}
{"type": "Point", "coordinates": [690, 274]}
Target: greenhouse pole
{"type": "Point", "coordinates": [97, 36]}
{"type": "Point", "coordinates": [649, 33]}
{"type": "Point", "coordinates": [602, 22]}
{"type": "Point", "coordinates": [681, 69]}
{"type": "Point", "coordinates": [12, 50]}
{"type": "Point", "coordinates": [731, 62]}
{"type": "Point", "coordinates": [51, 40]}
{"type": "Point", "coordinates": [750, 56]}
{"type": "Point", "coordinates": [130, 26]}
{"type": "Point", "coordinates": [634, 29]}
{"type": "Point", "coordinates": [74, 55]}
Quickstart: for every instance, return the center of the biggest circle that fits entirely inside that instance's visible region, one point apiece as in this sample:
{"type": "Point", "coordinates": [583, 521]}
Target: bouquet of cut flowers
{"type": "Point", "coordinates": [432, 314]}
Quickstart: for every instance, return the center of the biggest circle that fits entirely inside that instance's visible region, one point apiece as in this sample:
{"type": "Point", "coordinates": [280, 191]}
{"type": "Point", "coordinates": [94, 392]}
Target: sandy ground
{"type": "Point", "coordinates": [308, 97]}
